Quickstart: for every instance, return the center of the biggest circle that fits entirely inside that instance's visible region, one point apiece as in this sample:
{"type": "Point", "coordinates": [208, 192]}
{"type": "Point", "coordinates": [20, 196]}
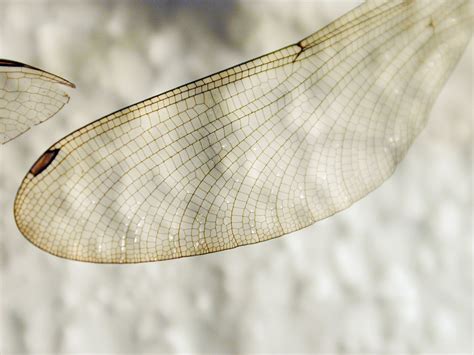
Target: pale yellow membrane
{"type": "Point", "coordinates": [253, 152]}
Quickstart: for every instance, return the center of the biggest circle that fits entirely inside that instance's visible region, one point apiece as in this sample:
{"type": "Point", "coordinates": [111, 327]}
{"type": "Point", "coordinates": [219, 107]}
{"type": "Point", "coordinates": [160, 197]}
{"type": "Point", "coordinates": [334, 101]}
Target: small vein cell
{"type": "Point", "coordinates": [22, 89]}
{"type": "Point", "coordinates": [253, 152]}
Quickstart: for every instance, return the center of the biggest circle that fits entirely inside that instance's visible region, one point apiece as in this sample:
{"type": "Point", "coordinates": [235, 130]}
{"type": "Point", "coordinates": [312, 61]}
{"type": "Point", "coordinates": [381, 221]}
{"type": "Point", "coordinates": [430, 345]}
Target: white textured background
{"type": "Point", "coordinates": [391, 274]}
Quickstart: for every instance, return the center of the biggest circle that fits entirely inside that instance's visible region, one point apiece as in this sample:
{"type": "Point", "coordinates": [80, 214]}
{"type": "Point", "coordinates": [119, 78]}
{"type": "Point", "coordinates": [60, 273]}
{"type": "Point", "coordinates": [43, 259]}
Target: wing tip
{"type": "Point", "coordinates": [13, 63]}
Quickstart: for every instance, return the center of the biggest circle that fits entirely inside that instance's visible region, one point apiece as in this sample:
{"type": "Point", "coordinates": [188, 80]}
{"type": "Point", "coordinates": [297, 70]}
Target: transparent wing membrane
{"type": "Point", "coordinates": [253, 152]}
{"type": "Point", "coordinates": [28, 96]}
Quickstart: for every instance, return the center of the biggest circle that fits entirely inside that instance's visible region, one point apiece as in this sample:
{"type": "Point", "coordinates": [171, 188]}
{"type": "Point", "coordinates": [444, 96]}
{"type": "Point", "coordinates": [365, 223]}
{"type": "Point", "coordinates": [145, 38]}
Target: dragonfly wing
{"type": "Point", "coordinates": [28, 96]}
{"type": "Point", "coordinates": [253, 152]}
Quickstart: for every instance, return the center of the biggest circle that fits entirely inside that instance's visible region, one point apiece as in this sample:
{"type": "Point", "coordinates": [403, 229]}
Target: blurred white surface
{"type": "Point", "coordinates": [391, 274]}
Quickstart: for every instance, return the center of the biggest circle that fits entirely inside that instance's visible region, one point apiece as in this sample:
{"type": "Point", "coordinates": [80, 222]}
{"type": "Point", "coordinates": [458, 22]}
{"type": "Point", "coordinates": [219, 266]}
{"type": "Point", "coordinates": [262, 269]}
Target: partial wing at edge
{"type": "Point", "coordinates": [28, 96]}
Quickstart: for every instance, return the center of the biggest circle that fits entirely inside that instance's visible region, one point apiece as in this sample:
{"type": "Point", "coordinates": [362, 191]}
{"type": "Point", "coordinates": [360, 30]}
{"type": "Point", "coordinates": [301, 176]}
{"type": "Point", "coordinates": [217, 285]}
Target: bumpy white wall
{"type": "Point", "coordinates": [392, 273]}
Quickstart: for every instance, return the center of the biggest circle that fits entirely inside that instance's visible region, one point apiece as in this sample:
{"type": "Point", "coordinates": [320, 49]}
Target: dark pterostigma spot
{"type": "Point", "coordinates": [43, 162]}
